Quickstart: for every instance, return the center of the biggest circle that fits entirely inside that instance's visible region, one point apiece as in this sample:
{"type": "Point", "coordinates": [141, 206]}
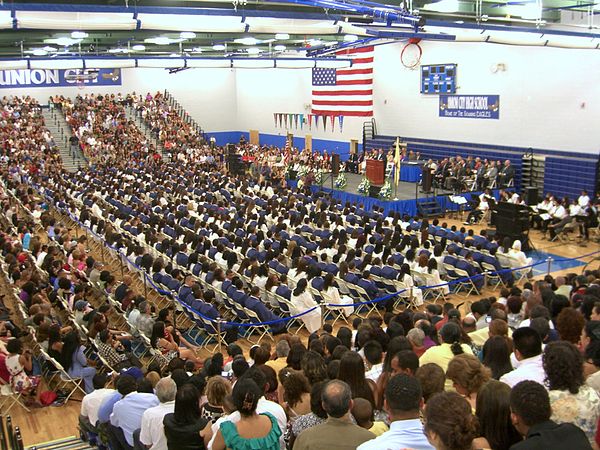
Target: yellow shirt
{"type": "Point", "coordinates": [379, 428]}
{"type": "Point", "coordinates": [277, 364]}
{"type": "Point", "coordinates": [442, 355]}
{"type": "Point", "coordinates": [480, 336]}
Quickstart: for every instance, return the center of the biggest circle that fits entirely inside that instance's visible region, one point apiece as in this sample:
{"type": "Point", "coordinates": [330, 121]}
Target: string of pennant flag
{"type": "Point", "coordinates": [289, 120]}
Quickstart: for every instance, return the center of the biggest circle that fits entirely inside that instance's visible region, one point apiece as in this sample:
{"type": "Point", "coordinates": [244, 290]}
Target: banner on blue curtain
{"type": "Point", "coordinates": [470, 106]}
{"type": "Point", "coordinates": [31, 78]}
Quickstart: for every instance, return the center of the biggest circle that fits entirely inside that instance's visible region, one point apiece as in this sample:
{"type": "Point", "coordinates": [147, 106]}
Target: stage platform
{"type": "Point", "coordinates": [404, 197]}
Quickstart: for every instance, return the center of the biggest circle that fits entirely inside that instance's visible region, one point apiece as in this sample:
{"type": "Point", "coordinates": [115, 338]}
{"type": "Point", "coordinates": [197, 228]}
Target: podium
{"type": "Point", "coordinates": [376, 171]}
{"type": "Point", "coordinates": [426, 179]}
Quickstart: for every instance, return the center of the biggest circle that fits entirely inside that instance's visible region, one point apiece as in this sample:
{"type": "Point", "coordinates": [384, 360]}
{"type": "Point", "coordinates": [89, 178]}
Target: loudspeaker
{"type": "Point", "coordinates": [335, 163]}
{"type": "Point", "coordinates": [231, 149]}
{"type": "Point", "coordinates": [531, 195]}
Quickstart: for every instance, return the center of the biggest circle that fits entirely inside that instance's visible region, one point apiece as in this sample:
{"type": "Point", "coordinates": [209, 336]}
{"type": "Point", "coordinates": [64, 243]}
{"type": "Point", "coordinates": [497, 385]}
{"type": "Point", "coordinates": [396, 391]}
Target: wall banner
{"type": "Point", "coordinates": [470, 106]}
{"type": "Point", "coordinates": [32, 78]}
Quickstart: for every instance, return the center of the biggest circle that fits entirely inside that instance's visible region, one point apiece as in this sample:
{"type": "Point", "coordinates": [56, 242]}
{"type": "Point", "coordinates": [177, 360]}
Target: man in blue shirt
{"type": "Point", "coordinates": [127, 412]}
{"type": "Point", "coordinates": [403, 400]}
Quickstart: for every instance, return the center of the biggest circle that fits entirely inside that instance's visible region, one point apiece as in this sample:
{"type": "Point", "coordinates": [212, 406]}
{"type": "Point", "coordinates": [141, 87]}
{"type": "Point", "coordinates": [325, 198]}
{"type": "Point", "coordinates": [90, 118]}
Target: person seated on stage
{"type": "Point", "coordinates": [506, 175]}
{"type": "Point", "coordinates": [352, 163]}
{"type": "Point", "coordinates": [573, 211]}
{"type": "Point", "coordinates": [560, 217]}
{"type": "Point", "coordinates": [476, 214]}
{"type": "Point", "coordinates": [491, 174]}
{"type": "Point", "coordinates": [542, 208]}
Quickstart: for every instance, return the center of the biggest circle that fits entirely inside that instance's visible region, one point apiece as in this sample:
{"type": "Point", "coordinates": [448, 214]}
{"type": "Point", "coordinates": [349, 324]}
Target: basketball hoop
{"type": "Point", "coordinates": [411, 54]}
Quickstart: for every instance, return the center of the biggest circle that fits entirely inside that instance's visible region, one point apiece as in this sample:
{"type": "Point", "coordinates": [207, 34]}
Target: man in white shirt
{"type": "Point", "coordinates": [152, 432]}
{"type": "Point", "coordinates": [88, 417]}
{"type": "Point", "coordinates": [583, 199]}
{"type": "Point", "coordinates": [528, 351]}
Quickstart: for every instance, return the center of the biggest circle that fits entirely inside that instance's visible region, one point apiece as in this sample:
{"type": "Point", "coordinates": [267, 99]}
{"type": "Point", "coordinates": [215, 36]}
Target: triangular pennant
{"type": "Point", "coordinates": [316, 122]}
{"type": "Point", "coordinates": [341, 119]}
{"type": "Point", "coordinates": [280, 117]}
{"type": "Point", "coordinates": [301, 121]}
{"type": "Point", "coordinates": [332, 123]}
{"type": "Point", "coordinates": [324, 123]}
{"type": "Point", "coordinates": [285, 116]}
{"type": "Point", "coordinates": [291, 118]}
{"type": "Point", "coordinates": [296, 120]}
{"type": "Point", "coordinates": [275, 119]}
{"type": "Point", "coordinates": [310, 116]}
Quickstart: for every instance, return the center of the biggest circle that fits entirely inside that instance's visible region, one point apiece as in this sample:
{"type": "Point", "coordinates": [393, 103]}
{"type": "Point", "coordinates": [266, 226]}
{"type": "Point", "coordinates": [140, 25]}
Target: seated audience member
{"type": "Point", "coordinates": [528, 351]}
{"type": "Point", "coordinates": [152, 432]}
{"type": "Point", "coordinates": [316, 416]}
{"type": "Point", "coordinates": [90, 405]}
{"type": "Point", "coordinates": [496, 430]}
{"type": "Point", "coordinates": [571, 400]}
{"type": "Point", "coordinates": [403, 402]}
{"type": "Point", "coordinates": [184, 425]}
{"type": "Point", "coordinates": [442, 354]}
{"type": "Point", "coordinates": [337, 431]}
{"type": "Point", "coordinates": [303, 302]}
{"type": "Point", "coordinates": [530, 414]}
{"type": "Point", "coordinates": [468, 375]}
{"type": "Point", "coordinates": [253, 430]}
{"type": "Point", "coordinates": [449, 422]}
{"type": "Point", "coordinates": [362, 411]}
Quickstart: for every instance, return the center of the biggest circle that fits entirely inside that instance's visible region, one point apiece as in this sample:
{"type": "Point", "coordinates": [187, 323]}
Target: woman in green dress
{"type": "Point", "coordinates": [253, 431]}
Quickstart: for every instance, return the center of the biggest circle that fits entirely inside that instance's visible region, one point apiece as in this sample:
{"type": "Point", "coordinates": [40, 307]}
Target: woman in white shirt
{"type": "Point", "coordinates": [302, 301]}
{"type": "Point", "coordinates": [434, 276]}
{"type": "Point", "coordinates": [332, 295]}
{"type": "Point", "coordinates": [518, 255]}
{"type": "Point", "coordinates": [405, 277]}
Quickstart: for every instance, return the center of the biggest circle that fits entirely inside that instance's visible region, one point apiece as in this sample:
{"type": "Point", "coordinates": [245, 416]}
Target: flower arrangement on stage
{"type": "Point", "coordinates": [340, 181]}
{"type": "Point", "coordinates": [364, 186]}
{"type": "Point", "coordinates": [303, 171]}
{"type": "Point", "coordinates": [319, 176]}
{"type": "Point", "coordinates": [386, 191]}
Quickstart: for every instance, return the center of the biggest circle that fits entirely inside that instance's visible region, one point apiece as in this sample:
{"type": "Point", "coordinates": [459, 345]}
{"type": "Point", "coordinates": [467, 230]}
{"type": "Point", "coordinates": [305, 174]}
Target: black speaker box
{"type": "Point", "coordinates": [374, 191]}
{"type": "Point", "coordinates": [531, 195]}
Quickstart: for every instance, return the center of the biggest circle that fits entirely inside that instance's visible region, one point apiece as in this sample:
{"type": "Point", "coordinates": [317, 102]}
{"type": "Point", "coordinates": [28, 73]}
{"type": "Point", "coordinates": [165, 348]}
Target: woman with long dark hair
{"type": "Point", "coordinates": [304, 303]}
{"type": "Point", "coordinates": [162, 340]}
{"type": "Point", "coordinates": [352, 371]}
{"type": "Point", "coordinates": [493, 412]}
{"type": "Point", "coordinates": [496, 356]}
{"type": "Point", "coordinates": [183, 426]}
{"type": "Point", "coordinates": [74, 361]}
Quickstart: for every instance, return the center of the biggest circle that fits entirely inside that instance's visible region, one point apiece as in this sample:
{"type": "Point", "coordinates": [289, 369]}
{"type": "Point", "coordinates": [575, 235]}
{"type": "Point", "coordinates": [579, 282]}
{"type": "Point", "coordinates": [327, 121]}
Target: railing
{"type": "Point", "coordinates": [369, 132]}
{"type": "Point", "coordinates": [184, 115]}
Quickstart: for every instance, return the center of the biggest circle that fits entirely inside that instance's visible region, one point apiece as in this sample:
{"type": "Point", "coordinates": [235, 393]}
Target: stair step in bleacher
{"type": "Point", "coordinates": [69, 443]}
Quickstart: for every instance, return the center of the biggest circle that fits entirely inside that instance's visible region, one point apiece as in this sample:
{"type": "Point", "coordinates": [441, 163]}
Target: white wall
{"type": "Point", "coordinates": [541, 95]}
{"type": "Point", "coordinates": [549, 98]}
{"type": "Point", "coordinates": [262, 92]}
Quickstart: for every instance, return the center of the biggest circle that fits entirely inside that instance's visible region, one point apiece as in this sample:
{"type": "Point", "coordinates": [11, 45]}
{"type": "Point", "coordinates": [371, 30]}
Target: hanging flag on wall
{"type": "Point", "coordinates": [280, 119]}
{"type": "Point", "coordinates": [324, 118]}
{"type": "Point", "coordinates": [341, 119]}
{"type": "Point", "coordinates": [291, 118]}
{"type": "Point", "coordinates": [310, 116]}
{"type": "Point", "coordinates": [316, 121]}
{"type": "Point", "coordinates": [285, 117]}
{"type": "Point", "coordinates": [332, 123]}
{"type": "Point", "coordinates": [275, 119]}
{"type": "Point", "coordinates": [347, 91]}
{"type": "Point", "coordinates": [296, 120]}
{"type": "Point", "coordinates": [301, 121]}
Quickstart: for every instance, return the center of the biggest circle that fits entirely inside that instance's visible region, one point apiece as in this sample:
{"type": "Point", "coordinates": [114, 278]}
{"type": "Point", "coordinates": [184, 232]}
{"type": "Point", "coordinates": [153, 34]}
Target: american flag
{"type": "Point", "coordinates": [345, 92]}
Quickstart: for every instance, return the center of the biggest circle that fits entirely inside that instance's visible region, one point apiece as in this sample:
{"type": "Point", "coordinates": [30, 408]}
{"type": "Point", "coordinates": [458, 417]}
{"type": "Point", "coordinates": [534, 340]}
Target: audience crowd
{"type": "Point", "coordinates": [518, 370]}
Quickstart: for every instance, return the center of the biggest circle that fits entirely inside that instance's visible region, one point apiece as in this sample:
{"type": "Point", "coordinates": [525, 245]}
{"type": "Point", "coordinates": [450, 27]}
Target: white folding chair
{"type": "Point", "coordinates": [10, 398]}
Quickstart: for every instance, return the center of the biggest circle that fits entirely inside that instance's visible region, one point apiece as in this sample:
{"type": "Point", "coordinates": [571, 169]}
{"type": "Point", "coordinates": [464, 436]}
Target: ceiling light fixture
{"type": "Point", "coordinates": [62, 41]}
{"type": "Point", "coordinates": [49, 48]}
{"type": "Point", "coordinates": [350, 38]}
{"type": "Point", "coordinates": [138, 47]}
{"type": "Point", "coordinates": [447, 6]}
{"type": "Point", "coordinates": [174, 55]}
{"type": "Point", "coordinates": [315, 42]}
{"type": "Point", "coordinates": [159, 40]}
{"type": "Point", "coordinates": [197, 50]}
{"type": "Point", "coordinates": [39, 52]}
{"type": "Point", "coordinates": [279, 48]}
{"type": "Point", "coordinates": [79, 35]}
{"type": "Point", "coordinates": [218, 47]}
{"type": "Point", "coordinates": [249, 40]}
{"type": "Point", "coordinates": [282, 36]}
{"type": "Point", "coordinates": [253, 50]}
{"type": "Point", "coordinates": [187, 35]}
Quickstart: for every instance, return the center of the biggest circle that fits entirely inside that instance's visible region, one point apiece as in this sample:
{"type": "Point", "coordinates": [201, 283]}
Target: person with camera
{"type": "Point", "coordinates": [19, 362]}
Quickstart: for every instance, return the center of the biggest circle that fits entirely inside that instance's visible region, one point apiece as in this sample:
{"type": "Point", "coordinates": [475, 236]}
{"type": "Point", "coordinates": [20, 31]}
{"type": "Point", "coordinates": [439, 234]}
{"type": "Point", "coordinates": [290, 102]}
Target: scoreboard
{"type": "Point", "coordinates": [438, 79]}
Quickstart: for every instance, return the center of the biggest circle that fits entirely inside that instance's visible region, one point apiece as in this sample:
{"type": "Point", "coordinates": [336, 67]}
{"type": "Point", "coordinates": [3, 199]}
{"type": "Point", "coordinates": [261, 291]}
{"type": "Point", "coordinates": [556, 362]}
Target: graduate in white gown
{"type": "Point", "coordinates": [302, 300]}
